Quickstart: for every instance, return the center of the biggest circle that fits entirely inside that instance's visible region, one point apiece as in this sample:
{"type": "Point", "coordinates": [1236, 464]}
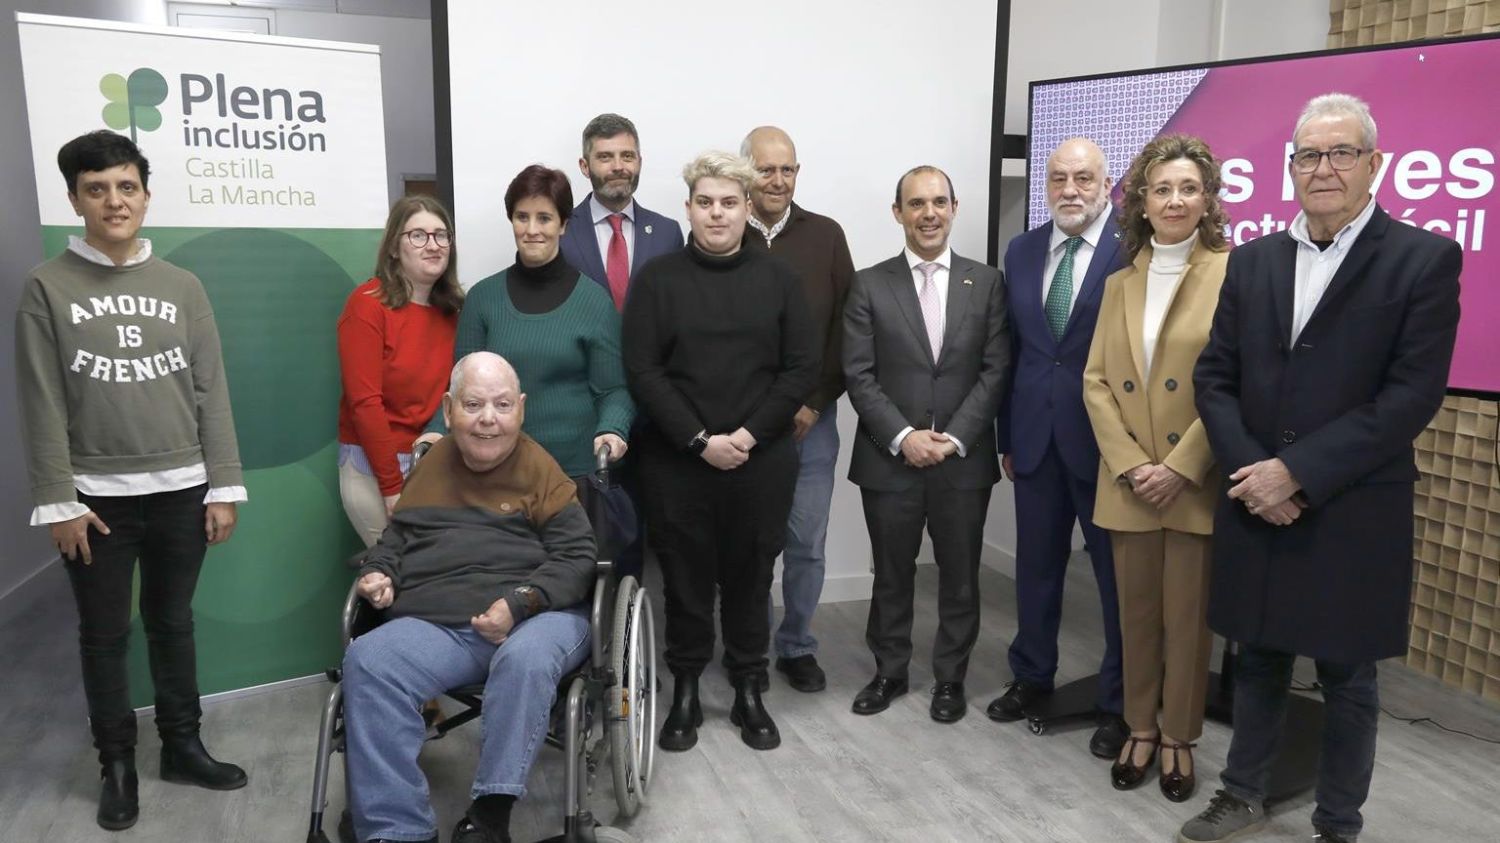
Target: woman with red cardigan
{"type": "Point", "coordinates": [395, 350]}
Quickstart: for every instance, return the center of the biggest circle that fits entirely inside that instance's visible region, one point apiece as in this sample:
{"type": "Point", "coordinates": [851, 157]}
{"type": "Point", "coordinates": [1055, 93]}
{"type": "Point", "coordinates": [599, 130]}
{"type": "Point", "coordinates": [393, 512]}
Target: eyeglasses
{"type": "Point", "coordinates": [418, 238]}
{"type": "Point", "coordinates": [1339, 158]}
{"type": "Point", "coordinates": [1164, 192]}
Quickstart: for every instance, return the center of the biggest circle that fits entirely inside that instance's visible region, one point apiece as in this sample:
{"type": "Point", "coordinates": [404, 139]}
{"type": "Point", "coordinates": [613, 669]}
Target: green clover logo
{"type": "Point", "coordinates": [133, 101]}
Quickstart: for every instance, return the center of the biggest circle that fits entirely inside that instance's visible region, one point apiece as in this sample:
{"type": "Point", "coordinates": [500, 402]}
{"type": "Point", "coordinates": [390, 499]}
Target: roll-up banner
{"type": "Point", "coordinates": [268, 181]}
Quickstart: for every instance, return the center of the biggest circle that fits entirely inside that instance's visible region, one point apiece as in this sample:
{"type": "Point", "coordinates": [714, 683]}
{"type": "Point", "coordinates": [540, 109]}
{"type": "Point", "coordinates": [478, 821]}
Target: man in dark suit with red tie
{"type": "Point", "coordinates": [1328, 355]}
{"type": "Point", "coordinates": [611, 237]}
{"type": "Point", "coordinates": [1056, 278]}
{"type": "Point", "coordinates": [926, 355]}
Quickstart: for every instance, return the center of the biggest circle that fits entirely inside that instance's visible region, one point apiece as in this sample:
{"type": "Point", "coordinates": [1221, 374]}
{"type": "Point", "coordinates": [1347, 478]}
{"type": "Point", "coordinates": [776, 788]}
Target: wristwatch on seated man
{"type": "Point", "coordinates": [699, 443]}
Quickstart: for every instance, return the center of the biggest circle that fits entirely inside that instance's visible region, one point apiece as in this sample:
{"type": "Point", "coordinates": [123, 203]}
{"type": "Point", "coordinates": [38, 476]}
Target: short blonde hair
{"type": "Point", "coordinates": [719, 165]}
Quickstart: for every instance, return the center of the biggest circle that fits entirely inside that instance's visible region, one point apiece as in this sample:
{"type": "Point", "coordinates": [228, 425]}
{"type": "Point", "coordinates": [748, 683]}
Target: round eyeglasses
{"type": "Point", "coordinates": [418, 238]}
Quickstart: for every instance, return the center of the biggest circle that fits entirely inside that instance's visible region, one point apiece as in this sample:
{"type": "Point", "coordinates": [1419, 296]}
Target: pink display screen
{"type": "Point", "coordinates": [1438, 122]}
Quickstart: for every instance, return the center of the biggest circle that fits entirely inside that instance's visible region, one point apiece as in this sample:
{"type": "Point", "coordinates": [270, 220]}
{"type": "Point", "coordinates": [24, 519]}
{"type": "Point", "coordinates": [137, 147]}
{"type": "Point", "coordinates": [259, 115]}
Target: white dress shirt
{"type": "Point", "coordinates": [135, 483]}
{"type": "Point", "coordinates": [603, 231]}
{"type": "Point", "coordinates": [1165, 272]}
{"type": "Point", "coordinates": [1081, 258]}
{"type": "Point", "coordinates": [770, 233]}
{"type": "Point", "coordinates": [940, 281]}
{"type": "Point", "coordinates": [1316, 268]}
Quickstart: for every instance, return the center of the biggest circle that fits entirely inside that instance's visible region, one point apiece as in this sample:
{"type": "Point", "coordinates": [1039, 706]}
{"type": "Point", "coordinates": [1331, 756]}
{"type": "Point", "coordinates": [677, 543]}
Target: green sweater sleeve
{"type": "Point", "coordinates": [221, 452]}
{"type": "Point", "coordinates": [612, 401]}
{"type": "Point", "coordinates": [43, 401]}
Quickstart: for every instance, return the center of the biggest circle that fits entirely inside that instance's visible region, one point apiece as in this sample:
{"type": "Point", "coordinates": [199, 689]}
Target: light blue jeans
{"type": "Point", "coordinates": [803, 561]}
{"type": "Point", "coordinates": [390, 671]}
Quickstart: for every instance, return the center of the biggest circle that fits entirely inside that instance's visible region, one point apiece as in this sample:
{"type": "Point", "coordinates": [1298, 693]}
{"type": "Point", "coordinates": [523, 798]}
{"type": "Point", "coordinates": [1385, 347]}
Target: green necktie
{"type": "Point", "coordinates": [1060, 294]}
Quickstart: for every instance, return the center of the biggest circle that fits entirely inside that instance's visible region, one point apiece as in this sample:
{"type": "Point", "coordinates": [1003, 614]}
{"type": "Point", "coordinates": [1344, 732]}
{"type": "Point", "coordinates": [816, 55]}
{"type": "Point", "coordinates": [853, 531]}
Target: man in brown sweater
{"type": "Point", "coordinates": [815, 248]}
{"type": "Point", "coordinates": [483, 572]}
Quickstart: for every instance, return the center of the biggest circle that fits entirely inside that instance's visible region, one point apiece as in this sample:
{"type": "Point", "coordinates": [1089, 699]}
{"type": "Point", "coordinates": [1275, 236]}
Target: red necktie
{"type": "Point", "coordinates": [617, 268]}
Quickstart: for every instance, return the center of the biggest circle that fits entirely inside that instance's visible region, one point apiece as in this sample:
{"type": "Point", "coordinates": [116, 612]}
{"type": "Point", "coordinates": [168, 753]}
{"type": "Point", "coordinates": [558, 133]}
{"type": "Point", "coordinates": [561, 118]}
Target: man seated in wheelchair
{"type": "Point", "coordinates": [483, 573]}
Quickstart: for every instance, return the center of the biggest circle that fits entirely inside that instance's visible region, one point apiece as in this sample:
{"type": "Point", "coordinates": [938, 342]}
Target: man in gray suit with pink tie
{"type": "Point", "coordinates": [926, 356]}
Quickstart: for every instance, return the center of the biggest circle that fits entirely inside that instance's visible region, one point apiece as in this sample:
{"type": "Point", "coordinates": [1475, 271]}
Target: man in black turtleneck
{"type": "Point", "coordinates": [719, 353]}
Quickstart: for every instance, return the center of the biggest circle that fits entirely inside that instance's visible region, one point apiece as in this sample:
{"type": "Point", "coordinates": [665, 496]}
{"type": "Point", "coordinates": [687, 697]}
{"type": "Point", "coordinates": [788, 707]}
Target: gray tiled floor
{"type": "Point", "coordinates": [837, 777]}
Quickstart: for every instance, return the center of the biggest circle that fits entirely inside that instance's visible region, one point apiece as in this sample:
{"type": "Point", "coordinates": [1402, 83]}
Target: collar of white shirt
{"type": "Point", "coordinates": [770, 233]}
{"type": "Point", "coordinates": [78, 246]}
{"type": "Point", "coordinates": [600, 213]}
{"type": "Point", "coordinates": [1091, 234]}
{"type": "Point", "coordinates": [1341, 241]}
{"type": "Point", "coordinates": [945, 260]}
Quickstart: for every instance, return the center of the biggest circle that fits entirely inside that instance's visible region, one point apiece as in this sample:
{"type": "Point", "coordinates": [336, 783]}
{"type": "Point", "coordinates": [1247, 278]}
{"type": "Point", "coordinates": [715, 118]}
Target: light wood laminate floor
{"type": "Point", "coordinates": [897, 776]}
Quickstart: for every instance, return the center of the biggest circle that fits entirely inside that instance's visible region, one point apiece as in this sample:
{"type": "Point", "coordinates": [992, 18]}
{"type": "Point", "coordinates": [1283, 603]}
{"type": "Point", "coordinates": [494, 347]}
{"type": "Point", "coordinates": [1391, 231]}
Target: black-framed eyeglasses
{"type": "Point", "coordinates": [1339, 158]}
{"type": "Point", "coordinates": [418, 238]}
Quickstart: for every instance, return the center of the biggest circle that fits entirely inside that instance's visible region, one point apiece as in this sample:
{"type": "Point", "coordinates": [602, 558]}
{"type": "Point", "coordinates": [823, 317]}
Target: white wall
{"type": "Point", "coordinates": [866, 88]}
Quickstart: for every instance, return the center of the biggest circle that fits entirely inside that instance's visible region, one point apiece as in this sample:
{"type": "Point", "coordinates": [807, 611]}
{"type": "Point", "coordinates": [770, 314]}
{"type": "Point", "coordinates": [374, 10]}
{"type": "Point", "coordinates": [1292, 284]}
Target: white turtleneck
{"type": "Point", "coordinates": [1168, 265]}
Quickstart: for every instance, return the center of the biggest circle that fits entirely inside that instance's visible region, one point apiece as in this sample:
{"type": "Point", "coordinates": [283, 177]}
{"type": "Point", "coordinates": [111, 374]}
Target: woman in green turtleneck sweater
{"type": "Point", "coordinates": [562, 336]}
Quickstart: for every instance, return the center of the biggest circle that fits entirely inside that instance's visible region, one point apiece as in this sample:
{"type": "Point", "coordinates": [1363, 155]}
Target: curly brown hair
{"type": "Point", "coordinates": [395, 290]}
{"type": "Point", "coordinates": [1160, 150]}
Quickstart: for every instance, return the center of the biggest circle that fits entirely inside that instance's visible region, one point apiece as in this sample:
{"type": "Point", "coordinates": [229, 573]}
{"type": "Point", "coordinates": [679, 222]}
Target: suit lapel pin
{"type": "Point", "coordinates": [967, 281]}
{"type": "Point", "coordinates": [648, 229]}
{"type": "Point", "coordinates": [1117, 234]}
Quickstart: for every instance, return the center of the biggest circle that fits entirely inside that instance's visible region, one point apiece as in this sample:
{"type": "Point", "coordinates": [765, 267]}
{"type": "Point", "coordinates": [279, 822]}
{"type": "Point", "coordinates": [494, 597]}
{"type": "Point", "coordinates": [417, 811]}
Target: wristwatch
{"type": "Point", "coordinates": [530, 597]}
{"type": "Point", "coordinates": [699, 443]}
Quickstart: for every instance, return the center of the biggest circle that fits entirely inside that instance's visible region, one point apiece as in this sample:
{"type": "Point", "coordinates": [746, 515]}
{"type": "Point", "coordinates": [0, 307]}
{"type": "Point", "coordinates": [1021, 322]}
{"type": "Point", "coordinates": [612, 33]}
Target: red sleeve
{"type": "Point", "coordinates": [361, 334]}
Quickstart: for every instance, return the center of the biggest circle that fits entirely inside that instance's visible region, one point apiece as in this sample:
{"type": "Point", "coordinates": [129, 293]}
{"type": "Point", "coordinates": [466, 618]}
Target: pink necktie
{"type": "Point", "coordinates": [932, 311]}
{"type": "Point", "coordinates": [617, 268]}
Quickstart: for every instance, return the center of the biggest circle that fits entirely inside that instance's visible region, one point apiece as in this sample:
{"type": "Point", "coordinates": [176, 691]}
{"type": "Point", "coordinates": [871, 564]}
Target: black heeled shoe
{"type": "Point", "coordinates": [119, 805]}
{"type": "Point", "coordinates": [1176, 785]}
{"type": "Point", "coordinates": [757, 729]}
{"type": "Point", "coordinates": [680, 731]}
{"type": "Point", "coordinates": [1125, 775]}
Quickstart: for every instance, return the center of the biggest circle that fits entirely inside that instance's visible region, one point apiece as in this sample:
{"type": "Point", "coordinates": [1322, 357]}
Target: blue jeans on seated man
{"type": "Point", "coordinates": [390, 671]}
{"type": "Point", "coordinates": [803, 561]}
{"type": "Point", "coordinates": [1351, 705]}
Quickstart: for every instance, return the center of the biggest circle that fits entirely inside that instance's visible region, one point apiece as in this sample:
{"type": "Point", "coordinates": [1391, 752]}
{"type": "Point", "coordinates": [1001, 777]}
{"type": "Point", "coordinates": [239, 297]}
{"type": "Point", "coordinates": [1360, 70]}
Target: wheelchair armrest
{"type": "Point", "coordinates": [359, 616]}
{"type": "Point", "coordinates": [603, 580]}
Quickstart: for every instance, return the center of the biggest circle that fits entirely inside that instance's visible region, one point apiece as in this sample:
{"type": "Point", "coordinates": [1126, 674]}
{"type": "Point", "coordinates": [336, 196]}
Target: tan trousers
{"type": "Point", "coordinates": [1162, 579]}
{"type": "Point", "coordinates": [363, 503]}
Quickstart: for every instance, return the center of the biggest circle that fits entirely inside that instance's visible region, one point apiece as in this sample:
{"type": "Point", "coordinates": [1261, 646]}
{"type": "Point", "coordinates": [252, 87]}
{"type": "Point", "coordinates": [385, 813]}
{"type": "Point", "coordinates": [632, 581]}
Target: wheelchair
{"type": "Point", "coordinates": [616, 686]}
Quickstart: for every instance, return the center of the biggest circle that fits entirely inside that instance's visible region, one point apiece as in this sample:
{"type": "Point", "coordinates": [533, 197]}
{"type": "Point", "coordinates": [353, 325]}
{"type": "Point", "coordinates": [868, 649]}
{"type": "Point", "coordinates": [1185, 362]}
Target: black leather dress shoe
{"type": "Point", "coordinates": [185, 761]}
{"type": "Point", "coordinates": [876, 696]}
{"type": "Point", "coordinates": [680, 731]}
{"type": "Point", "coordinates": [119, 806]}
{"type": "Point", "coordinates": [757, 729]}
{"type": "Point", "coordinates": [1012, 705]}
{"type": "Point", "coordinates": [1125, 775]}
{"type": "Point", "coordinates": [948, 703]}
{"type": "Point", "coordinates": [803, 673]}
{"type": "Point", "coordinates": [1110, 737]}
{"type": "Point", "coordinates": [1324, 836]}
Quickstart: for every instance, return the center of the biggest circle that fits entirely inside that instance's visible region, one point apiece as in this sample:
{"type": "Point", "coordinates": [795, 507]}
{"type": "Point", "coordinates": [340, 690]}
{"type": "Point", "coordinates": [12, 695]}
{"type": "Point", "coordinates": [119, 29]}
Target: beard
{"type": "Point", "coordinates": [1070, 219]}
{"type": "Point", "coordinates": [614, 192]}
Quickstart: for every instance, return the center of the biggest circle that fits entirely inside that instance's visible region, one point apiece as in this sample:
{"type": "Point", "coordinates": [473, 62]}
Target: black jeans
{"type": "Point", "coordinates": [1351, 704]}
{"type": "Point", "coordinates": [165, 532]}
{"type": "Point", "coordinates": [718, 531]}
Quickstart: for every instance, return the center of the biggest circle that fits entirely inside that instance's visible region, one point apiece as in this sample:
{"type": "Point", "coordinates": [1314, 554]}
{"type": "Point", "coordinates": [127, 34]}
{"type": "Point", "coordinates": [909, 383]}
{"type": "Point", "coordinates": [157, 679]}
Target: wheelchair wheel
{"type": "Point", "coordinates": [632, 703]}
{"type": "Point", "coordinates": [610, 834]}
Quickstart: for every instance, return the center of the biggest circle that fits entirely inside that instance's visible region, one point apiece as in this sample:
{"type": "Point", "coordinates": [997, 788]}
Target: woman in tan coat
{"type": "Point", "coordinates": [1156, 487]}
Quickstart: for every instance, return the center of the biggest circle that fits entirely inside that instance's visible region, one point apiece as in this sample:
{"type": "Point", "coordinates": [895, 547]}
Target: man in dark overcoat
{"type": "Point", "coordinates": [1328, 355]}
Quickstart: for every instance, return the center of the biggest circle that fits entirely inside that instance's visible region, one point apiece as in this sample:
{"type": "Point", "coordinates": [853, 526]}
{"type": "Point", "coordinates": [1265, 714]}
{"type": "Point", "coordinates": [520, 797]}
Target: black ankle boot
{"type": "Point", "coordinates": [185, 761]}
{"type": "Point", "coordinates": [118, 804]}
{"type": "Point", "coordinates": [680, 732]}
{"type": "Point", "coordinates": [757, 729]}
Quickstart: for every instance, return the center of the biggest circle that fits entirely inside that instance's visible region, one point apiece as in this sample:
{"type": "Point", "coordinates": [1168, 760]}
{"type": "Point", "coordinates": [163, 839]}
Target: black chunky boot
{"type": "Point", "coordinates": [119, 806]}
{"type": "Point", "coordinates": [757, 729]}
{"type": "Point", "coordinates": [680, 732]}
{"type": "Point", "coordinates": [185, 761]}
